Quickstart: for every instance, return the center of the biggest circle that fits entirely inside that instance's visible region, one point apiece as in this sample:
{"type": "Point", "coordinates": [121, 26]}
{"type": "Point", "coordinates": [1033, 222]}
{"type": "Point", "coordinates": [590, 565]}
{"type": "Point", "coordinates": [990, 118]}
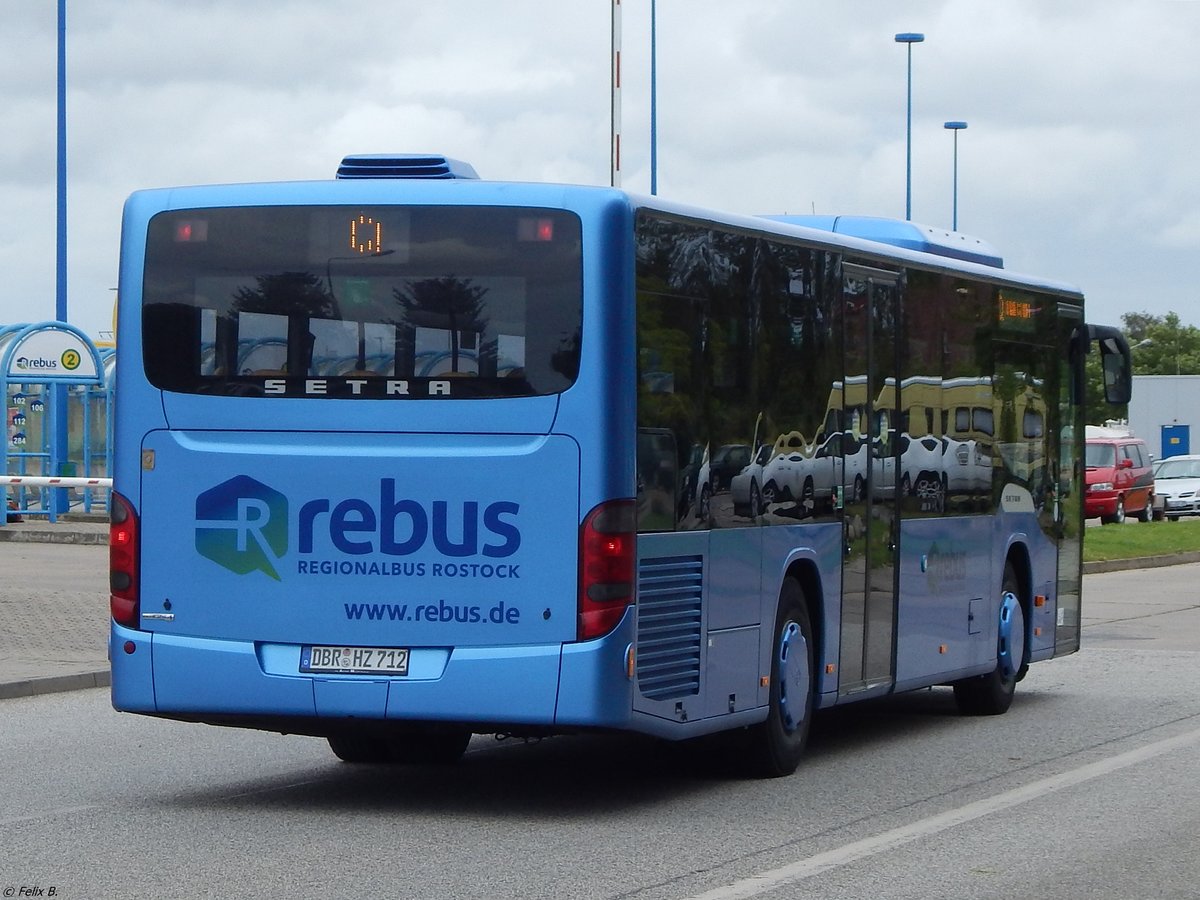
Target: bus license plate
{"type": "Point", "coordinates": [355, 660]}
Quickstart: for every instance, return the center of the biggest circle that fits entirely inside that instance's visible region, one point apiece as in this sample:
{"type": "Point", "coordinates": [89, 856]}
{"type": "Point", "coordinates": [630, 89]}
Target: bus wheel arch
{"type": "Point", "coordinates": [805, 572]}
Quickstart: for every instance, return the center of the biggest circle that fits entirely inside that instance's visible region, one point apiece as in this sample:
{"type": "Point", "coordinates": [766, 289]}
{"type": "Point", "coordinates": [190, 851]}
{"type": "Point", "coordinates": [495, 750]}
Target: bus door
{"type": "Point", "coordinates": [870, 498]}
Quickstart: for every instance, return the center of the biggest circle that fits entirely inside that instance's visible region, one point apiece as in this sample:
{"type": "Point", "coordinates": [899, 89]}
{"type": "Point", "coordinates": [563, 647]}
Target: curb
{"type": "Point", "coordinates": [1141, 562]}
{"type": "Point", "coordinates": [52, 536]}
{"type": "Point", "coordinates": [54, 684]}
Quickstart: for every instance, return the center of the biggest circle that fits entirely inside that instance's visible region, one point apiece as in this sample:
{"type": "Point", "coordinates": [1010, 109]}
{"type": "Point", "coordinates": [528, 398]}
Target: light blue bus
{"type": "Point", "coordinates": [405, 456]}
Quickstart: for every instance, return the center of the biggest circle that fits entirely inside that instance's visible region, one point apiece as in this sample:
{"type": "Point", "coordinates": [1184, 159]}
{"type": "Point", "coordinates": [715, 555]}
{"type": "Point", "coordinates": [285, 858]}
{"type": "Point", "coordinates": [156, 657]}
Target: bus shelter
{"type": "Point", "coordinates": [57, 413]}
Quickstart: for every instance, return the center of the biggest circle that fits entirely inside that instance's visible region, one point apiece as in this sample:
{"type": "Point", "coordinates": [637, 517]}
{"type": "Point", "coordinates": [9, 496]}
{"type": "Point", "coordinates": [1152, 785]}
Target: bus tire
{"type": "Point", "coordinates": [417, 748]}
{"type": "Point", "coordinates": [351, 747]}
{"type": "Point", "coordinates": [776, 745]}
{"type": "Point", "coordinates": [430, 748]}
{"type": "Point", "coordinates": [992, 694]}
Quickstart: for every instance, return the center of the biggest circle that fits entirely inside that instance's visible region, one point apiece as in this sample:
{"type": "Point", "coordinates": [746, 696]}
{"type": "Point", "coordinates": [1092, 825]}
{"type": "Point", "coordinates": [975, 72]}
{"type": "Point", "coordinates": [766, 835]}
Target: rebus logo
{"type": "Point", "coordinates": [242, 525]}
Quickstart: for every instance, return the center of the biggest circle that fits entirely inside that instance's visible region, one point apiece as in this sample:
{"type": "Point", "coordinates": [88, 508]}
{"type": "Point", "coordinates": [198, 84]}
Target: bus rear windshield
{"type": "Point", "coordinates": [403, 302]}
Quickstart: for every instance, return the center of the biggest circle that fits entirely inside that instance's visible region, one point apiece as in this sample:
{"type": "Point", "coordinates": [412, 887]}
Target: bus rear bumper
{"type": "Point", "coordinates": [488, 687]}
{"type": "Point", "coordinates": [130, 658]}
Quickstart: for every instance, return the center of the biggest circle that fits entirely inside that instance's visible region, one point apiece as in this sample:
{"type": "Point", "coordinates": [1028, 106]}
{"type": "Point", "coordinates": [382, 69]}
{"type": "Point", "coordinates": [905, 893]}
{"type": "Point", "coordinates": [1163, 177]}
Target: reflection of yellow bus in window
{"type": "Point", "coordinates": [968, 429]}
{"type": "Point", "coordinates": [1021, 429]}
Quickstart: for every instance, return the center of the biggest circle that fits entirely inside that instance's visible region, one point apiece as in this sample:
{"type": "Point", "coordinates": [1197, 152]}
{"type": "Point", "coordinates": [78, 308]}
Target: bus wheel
{"type": "Point", "coordinates": [417, 748]}
{"type": "Point", "coordinates": [992, 694]}
{"type": "Point", "coordinates": [438, 748]}
{"type": "Point", "coordinates": [777, 744]}
{"type": "Point", "coordinates": [360, 748]}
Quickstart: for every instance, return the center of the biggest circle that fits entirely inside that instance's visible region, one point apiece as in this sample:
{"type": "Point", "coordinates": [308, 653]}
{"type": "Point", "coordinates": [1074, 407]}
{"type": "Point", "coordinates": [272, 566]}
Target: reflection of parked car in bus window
{"type": "Point", "coordinates": [694, 472]}
{"type": "Point", "coordinates": [883, 465]}
{"type": "Point", "coordinates": [967, 466]}
{"type": "Point", "coordinates": [746, 487]}
{"type": "Point", "coordinates": [727, 462]}
{"type": "Point", "coordinates": [920, 463]}
{"type": "Point", "coordinates": [784, 474]}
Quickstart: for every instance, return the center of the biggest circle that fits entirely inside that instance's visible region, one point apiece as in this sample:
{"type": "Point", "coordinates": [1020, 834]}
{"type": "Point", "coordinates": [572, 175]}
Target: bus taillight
{"type": "Point", "coordinates": [607, 548]}
{"type": "Point", "coordinates": [123, 562]}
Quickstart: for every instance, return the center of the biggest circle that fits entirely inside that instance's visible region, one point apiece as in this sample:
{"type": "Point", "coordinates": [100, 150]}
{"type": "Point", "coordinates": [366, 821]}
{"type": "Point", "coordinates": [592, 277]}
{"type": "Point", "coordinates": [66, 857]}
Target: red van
{"type": "Point", "coordinates": [1119, 480]}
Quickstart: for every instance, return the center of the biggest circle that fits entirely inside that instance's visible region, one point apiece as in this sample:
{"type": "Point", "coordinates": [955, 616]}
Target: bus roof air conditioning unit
{"type": "Point", "coordinates": [404, 165]}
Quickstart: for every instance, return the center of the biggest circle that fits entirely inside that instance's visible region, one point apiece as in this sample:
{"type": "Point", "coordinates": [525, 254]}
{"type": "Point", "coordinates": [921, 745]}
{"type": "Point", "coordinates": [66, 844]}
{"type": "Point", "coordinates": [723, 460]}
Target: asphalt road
{"type": "Point", "coordinates": [1088, 787]}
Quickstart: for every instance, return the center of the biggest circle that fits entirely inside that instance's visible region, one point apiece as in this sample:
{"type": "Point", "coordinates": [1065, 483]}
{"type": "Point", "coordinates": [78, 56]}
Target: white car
{"type": "Point", "coordinates": [785, 472]}
{"type": "Point", "coordinates": [1177, 486]}
{"type": "Point", "coordinates": [920, 462]}
{"type": "Point", "coordinates": [745, 488]}
{"type": "Point", "coordinates": [967, 466]}
{"type": "Point", "coordinates": [854, 471]}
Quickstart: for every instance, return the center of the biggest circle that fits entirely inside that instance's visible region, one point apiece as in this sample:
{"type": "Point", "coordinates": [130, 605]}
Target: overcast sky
{"type": "Point", "coordinates": [1079, 162]}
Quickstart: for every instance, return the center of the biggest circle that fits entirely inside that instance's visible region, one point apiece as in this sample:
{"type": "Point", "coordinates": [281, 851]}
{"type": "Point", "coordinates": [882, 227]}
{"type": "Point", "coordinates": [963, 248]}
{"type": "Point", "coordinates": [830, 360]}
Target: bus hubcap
{"type": "Point", "coordinates": [793, 676]}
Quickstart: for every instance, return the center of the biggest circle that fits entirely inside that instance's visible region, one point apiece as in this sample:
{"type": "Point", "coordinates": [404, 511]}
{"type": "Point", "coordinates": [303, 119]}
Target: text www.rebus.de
{"type": "Point", "coordinates": [466, 614]}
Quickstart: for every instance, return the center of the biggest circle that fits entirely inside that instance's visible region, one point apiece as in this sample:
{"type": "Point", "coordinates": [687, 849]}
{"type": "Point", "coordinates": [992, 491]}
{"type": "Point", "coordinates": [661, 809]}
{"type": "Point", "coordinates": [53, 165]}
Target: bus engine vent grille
{"type": "Point", "coordinates": [404, 165]}
{"type": "Point", "coordinates": [668, 647]}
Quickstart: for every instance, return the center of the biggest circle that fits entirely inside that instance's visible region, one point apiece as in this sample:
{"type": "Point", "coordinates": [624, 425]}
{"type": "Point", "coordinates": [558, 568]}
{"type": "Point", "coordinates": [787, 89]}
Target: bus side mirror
{"type": "Point", "coordinates": [1115, 362]}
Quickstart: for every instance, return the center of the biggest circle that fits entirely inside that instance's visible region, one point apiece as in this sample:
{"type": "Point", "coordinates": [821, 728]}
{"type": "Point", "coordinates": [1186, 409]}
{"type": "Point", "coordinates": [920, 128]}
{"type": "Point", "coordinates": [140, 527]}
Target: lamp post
{"type": "Point", "coordinates": [956, 127]}
{"type": "Point", "coordinates": [59, 438]}
{"type": "Point", "coordinates": [653, 98]}
{"type": "Point", "coordinates": [909, 38]}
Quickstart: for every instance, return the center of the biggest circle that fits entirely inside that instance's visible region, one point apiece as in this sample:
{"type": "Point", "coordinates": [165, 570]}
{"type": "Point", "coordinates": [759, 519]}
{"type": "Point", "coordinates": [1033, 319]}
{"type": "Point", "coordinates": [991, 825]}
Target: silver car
{"type": "Point", "coordinates": [1177, 486]}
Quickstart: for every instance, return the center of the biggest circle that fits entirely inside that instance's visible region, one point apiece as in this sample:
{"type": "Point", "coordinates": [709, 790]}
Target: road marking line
{"type": "Point", "coordinates": [47, 814]}
{"type": "Point", "coordinates": [897, 837]}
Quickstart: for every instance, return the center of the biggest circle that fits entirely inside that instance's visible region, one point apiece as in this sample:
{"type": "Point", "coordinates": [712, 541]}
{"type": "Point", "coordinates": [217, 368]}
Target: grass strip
{"type": "Point", "coordinates": [1134, 539]}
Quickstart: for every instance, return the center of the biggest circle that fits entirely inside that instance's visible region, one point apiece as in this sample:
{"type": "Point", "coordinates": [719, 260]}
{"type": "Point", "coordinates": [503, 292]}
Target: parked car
{"type": "Point", "coordinates": [1177, 486]}
{"type": "Point", "coordinates": [1119, 479]}
{"type": "Point", "coordinates": [840, 460]}
{"type": "Point", "coordinates": [727, 462]}
{"type": "Point", "coordinates": [746, 487]}
{"type": "Point", "coordinates": [784, 473]}
{"type": "Point", "coordinates": [921, 472]}
{"type": "Point", "coordinates": [966, 466]}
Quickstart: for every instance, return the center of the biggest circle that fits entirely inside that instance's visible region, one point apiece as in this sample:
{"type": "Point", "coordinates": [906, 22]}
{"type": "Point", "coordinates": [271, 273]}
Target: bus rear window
{"type": "Point", "coordinates": [363, 302]}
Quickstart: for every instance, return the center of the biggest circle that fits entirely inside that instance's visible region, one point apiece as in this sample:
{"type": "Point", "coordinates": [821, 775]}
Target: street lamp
{"type": "Point", "coordinates": [653, 99]}
{"type": "Point", "coordinates": [909, 38]}
{"type": "Point", "coordinates": [956, 127]}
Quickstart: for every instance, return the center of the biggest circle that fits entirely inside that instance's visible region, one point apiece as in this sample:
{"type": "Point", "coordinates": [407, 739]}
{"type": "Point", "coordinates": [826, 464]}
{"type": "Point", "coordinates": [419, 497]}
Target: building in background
{"type": "Point", "coordinates": [1163, 410]}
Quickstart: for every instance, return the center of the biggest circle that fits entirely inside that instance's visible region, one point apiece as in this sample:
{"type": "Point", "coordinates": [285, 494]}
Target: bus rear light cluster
{"type": "Point", "coordinates": [607, 550]}
{"type": "Point", "coordinates": [123, 562]}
